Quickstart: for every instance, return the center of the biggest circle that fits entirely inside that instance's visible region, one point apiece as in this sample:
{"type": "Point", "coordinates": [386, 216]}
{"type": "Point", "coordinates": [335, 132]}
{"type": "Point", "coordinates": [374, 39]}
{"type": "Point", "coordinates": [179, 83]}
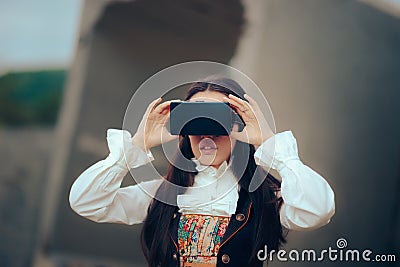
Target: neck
{"type": "Point", "coordinates": [216, 166]}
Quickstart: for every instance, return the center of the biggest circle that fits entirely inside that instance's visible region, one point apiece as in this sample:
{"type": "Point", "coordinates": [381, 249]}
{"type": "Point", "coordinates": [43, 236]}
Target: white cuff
{"type": "Point", "coordinates": [123, 152]}
{"type": "Point", "coordinates": [277, 151]}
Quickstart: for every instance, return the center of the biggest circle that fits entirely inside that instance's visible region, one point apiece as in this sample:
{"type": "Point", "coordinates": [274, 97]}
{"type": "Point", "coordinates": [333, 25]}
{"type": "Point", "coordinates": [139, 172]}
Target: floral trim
{"type": "Point", "coordinates": [200, 236]}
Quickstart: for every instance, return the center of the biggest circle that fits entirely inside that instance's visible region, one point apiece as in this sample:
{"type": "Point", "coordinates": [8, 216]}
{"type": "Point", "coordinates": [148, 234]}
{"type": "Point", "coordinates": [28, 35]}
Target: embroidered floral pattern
{"type": "Point", "coordinates": [199, 238]}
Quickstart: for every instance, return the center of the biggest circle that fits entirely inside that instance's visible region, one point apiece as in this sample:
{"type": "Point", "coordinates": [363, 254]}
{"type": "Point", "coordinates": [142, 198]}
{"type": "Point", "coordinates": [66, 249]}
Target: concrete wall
{"type": "Point", "coordinates": [328, 68]}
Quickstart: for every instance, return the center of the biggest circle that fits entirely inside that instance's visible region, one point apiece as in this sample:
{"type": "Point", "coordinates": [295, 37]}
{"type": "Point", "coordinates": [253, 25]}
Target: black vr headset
{"type": "Point", "coordinates": [203, 118]}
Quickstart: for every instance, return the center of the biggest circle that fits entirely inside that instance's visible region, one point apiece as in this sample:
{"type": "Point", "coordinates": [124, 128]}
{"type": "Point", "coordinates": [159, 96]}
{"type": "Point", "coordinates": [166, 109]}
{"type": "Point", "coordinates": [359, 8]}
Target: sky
{"type": "Point", "coordinates": [41, 33]}
{"type": "Point", "coordinates": [36, 33]}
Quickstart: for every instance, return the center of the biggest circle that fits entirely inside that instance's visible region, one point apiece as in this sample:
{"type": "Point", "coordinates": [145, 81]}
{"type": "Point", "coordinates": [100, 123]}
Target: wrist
{"type": "Point", "coordinates": [267, 136]}
{"type": "Point", "coordinates": [139, 142]}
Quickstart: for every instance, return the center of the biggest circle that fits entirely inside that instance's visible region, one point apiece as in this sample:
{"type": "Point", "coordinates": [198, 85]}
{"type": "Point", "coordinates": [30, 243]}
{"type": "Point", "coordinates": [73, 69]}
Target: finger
{"type": "Point", "coordinates": [166, 112]}
{"type": "Point", "coordinates": [166, 117]}
{"type": "Point", "coordinates": [254, 105]}
{"type": "Point", "coordinates": [149, 109]}
{"type": "Point", "coordinates": [244, 110]}
{"type": "Point", "coordinates": [152, 105]}
{"type": "Point", "coordinates": [242, 114]}
{"type": "Point", "coordinates": [166, 136]}
{"type": "Point", "coordinates": [237, 101]}
{"type": "Point", "coordinates": [251, 101]}
{"type": "Point", "coordinates": [159, 109]}
{"type": "Point", "coordinates": [240, 103]}
{"type": "Point", "coordinates": [165, 106]}
{"type": "Point", "coordinates": [240, 136]}
{"type": "Point", "coordinates": [233, 103]}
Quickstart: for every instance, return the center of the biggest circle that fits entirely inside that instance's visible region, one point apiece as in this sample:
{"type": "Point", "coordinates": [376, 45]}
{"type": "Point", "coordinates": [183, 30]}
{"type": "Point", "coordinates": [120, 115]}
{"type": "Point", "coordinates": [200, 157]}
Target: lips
{"type": "Point", "coordinates": [207, 145]}
{"type": "Point", "coordinates": [207, 148]}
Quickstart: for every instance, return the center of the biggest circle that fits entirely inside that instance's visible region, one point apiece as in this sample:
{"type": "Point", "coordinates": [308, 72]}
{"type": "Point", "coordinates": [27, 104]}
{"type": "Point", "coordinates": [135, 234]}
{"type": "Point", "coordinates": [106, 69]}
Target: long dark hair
{"type": "Point", "coordinates": [155, 238]}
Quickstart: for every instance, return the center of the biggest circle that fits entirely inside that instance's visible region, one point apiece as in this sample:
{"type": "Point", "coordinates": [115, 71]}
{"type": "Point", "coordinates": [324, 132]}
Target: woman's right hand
{"type": "Point", "coordinates": [152, 129]}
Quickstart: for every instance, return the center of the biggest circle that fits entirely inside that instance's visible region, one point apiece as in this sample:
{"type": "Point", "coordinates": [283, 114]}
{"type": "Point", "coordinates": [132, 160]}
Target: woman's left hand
{"type": "Point", "coordinates": [257, 129]}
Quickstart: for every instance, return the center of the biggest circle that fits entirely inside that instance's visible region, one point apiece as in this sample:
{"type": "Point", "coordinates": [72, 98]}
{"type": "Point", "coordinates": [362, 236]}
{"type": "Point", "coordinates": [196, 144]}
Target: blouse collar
{"type": "Point", "coordinates": [211, 170]}
{"type": "Point", "coordinates": [215, 191]}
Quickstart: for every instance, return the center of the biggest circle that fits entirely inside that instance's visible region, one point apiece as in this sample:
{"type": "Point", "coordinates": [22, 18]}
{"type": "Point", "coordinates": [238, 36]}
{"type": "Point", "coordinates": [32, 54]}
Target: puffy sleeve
{"type": "Point", "coordinates": [97, 194]}
{"type": "Point", "coordinates": [308, 200]}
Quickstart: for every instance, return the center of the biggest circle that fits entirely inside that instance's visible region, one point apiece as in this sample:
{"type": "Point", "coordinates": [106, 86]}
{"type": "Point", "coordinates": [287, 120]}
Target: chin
{"type": "Point", "coordinates": [206, 161]}
{"type": "Point", "coordinates": [210, 161]}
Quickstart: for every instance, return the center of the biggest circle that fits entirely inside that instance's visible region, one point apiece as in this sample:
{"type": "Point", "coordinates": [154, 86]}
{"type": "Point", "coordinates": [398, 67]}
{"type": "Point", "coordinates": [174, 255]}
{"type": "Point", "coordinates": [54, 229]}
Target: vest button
{"type": "Point", "coordinates": [240, 217]}
{"type": "Point", "coordinates": [225, 258]}
{"type": "Point", "coordinates": [175, 257]}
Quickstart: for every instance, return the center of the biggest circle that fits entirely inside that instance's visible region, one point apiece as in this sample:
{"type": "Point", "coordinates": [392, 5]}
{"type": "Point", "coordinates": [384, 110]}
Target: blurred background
{"type": "Point", "coordinates": [330, 70]}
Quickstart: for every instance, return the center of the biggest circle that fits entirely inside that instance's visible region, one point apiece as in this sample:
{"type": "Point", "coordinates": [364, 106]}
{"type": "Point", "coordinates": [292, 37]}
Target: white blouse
{"type": "Point", "coordinates": [308, 200]}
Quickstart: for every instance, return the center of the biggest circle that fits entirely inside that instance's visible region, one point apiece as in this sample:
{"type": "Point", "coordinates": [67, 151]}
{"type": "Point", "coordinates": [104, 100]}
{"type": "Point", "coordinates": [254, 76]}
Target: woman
{"type": "Point", "coordinates": [226, 225]}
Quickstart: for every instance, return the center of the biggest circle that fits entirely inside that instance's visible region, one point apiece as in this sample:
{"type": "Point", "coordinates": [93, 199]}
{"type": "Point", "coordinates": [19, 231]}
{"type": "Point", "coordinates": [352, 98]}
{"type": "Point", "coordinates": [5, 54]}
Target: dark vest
{"type": "Point", "coordinates": [237, 242]}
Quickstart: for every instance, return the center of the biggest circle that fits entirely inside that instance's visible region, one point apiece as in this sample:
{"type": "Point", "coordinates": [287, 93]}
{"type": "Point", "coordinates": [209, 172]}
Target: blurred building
{"type": "Point", "coordinates": [328, 68]}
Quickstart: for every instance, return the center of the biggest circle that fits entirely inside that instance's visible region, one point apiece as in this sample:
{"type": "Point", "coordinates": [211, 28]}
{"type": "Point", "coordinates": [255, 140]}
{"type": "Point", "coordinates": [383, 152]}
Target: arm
{"type": "Point", "coordinates": [97, 194]}
{"type": "Point", "coordinates": [308, 199]}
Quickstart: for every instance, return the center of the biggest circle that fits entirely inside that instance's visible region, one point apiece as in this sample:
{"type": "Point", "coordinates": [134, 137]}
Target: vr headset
{"type": "Point", "coordinates": [203, 118]}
